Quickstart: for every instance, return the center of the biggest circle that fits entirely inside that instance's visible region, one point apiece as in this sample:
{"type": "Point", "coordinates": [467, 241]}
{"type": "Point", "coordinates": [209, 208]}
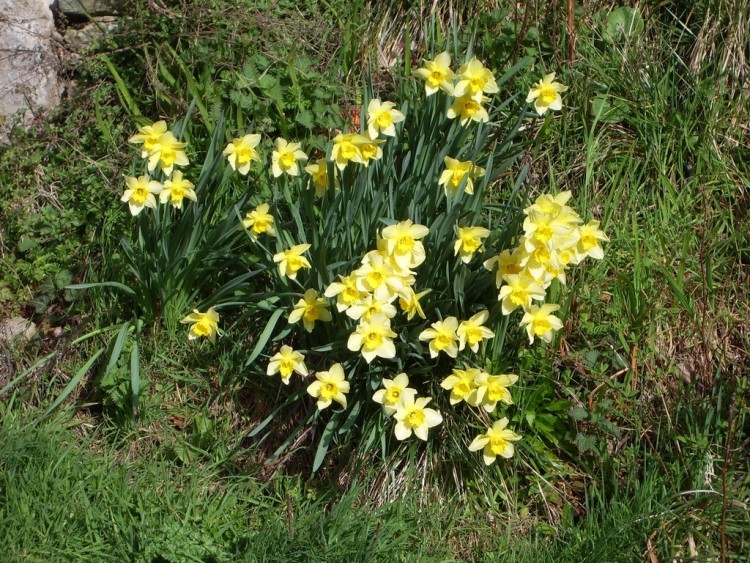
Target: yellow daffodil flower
{"type": "Point", "coordinates": [285, 158]}
{"type": "Point", "coordinates": [259, 221]}
{"type": "Point", "coordinates": [176, 190]}
{"type": "Point", "coordinates": [472, 331]}
{"type": "Point", "coordinates": [491, 389]}
{"type": "Point", "coordinates": [346, 148]}
{"type": "Point", "coordinates": [475, 80]}
{"type": "Point", "coordinates": [148, 136]}
{"type": "Point", "coordinates": [442, 337]}
{"type": "Point", "coordinates": [203, 324]}
{"type": "Point", "coordinates": [461, 383]}
{"type": "Point", "coordinates": [409, 302]}
{"type": "Point", "coordinates": [403, 244]}
{"type": "Point", "coordinates": [291, 261]}
{"type": "Point", "coordinates": [371, 151]}
{"type": "Point", "coordinates": [373, 338]}
{"type": "Point", "coordinates": [412, 417]}
{"type": "Point", "coordinates": [589, 240]}
{"type": "Point", "coordinates": [546, 94]}
{"type": "Point", "coordinates": [286, 362]}
{"type": "Point", "coordinates": [167, 152]}
{"type": "Point", "coordinates": [310, 308]}
{"type": "Point", "coordinates": [140, 193]}
{"type": "Point", "coordinates": [466, 108]}
{"type": "Point", "coordinates": [498, 441]}
{"type": "Point", "coordinates": [319, 172]}
{"type": "Point", "coordinates": [455, 172]}
{"type": "Point", "coordinates": [540, 322]}
{"type": "Point", "coordinates": [506, 262]}
{"type": "Point", "coordinates": [345, 292]}
{"type": "Point", "coordinates": [519, 291]}
{"type": "Point", "coordinates": [330, 386]}
{"type": "Point", "coordinates": [550, 204]}
{"type": "Point", "coordinates": [468, 241]}
{"type": "Point", "coordinates": [393, 392]}
{"type": "Point", "coordinates": [381, 118]}
{"type": "Point", "coordinates": [378, 276]}
{"type": "Point", "coordinates": [369, 306]}
{"type": "Point", "coordinates": [241, 152]}
{"type": "Point", "coordinates": [437, 74]}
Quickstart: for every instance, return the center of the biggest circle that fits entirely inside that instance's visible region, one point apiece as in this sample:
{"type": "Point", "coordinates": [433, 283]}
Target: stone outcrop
{"type": "Point", "coordinates": [85, 8]}
{"type": "Point", "coordinates": [29, 62]}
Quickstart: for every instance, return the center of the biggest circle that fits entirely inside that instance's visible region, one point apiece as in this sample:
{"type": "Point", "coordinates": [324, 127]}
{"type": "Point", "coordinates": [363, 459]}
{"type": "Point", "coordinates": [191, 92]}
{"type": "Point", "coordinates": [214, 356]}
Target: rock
{"type": "Point", "coordinates": [29, 62]}
{"type": "Point", "coordinates": [17, 332]}
{"type": "Point", "coordinates": [86, 8]}
{"type": "Point", "coordinates": [81, 39]}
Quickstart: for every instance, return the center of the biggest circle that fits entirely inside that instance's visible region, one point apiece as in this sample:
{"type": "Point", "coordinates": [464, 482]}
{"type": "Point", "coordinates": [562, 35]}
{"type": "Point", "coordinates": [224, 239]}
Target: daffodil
{"type": "Point", "coordinates": [176, 190]}
{"type": "Point", "coordinates": [546, 94]}
{"type": "Point", "coordinates": [310, 308]}
{"type": "Point", "coordinates": [492, 389]}
{"type": "Point", "coordinates": [241, 152]}
{"type": "Point", "coordinates": [203, 324]}
{"type": "Point", "coordinates": [167, 152]}
{"type": "Point", "coordinates": [507, 263]}
{"type": "Point", "coordinates": [259, 221]}
{"type": "Point", "coordinates": [472, 331]}
{"type": "Point", "coordinates": [291, 261]}
{"type": "Point", "coordinates": [468, 241]}
{"type": "Point", "coordinates": [382, 117]}
{"type": "Point", "coordinates": [329, 386]}
{"type": "Point", "coordinates": [319, 172]}
{"type": "Point", "coordinates": [543, 228]}
{"type": "Point", "coordinates": [373, 338]}
{"type": "Point", "coordinates": [371, 150]}
{"type": "Point", "coordinates": [437, 74]}
{"type": "Point", "coordinates": [466, 108]}
{"type": "Point", "coordinates": [148, 136]}
{"type": "Point", "coordinates": [412, 417]}
{"type": "Point", "coordinates": [475, 80]}
{"type": "Point", "coordinates": [497, 441]}
{"type": "Point", "coordinates": [455, 172]}
{"type": "Point", "coordinates": [461, 383]}
{"type": "Point", "coordinates": [394, 391]}
{"type": "Point", "coordinates": [409, 302]}
{"type": "Point", "coordinates": [378, 276]}
{"type": "Point", "coordinates": [519, 291]}
{"type": "Point", "coordinates": [285, 158]}
{"type": "Point", "coordinates": [286, 362]}
{"type": "Point", "coordinates": [140, 193]}
{"type": "Point", "coordinates": [345, 292]}
{"type": "Point", "coordinates": [442, 337]}
{"type": "Point", "coordinates": [590, 238]}
{"type": "Point", "coordinates": [346, 149]}
{"type": "Point", "coordinates": [369, 306]}
{"type": "Point", "coordinates": [540, 322]}
{"type": "Point", "coordinates": [550, 204]}
{"type": "Point", "coordinates": [403, 243]}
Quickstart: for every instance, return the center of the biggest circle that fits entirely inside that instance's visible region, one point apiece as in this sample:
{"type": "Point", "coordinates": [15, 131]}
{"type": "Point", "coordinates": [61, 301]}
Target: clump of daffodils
{"type": "Point", "coordinates": [163, 151]}
{"type": "Point", "coordinates": [374, 315]}
{"type": "Point", "coordinates": [554, 238]}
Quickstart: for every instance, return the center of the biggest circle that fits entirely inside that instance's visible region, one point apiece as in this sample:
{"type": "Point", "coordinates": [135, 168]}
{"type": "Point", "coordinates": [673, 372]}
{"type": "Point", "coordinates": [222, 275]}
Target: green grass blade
{"type": "Point", "coordinates": [73, 382]}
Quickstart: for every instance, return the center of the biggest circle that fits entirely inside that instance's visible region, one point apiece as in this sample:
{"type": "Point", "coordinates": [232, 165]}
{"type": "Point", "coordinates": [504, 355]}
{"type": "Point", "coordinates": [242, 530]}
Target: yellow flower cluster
{"type": "Point", "coordinates": [385, 275]}
{"type": "Point", "coordinates": [450, 336]}
{"type": "Point", "coordinates": [161, 148]}
{"type": "Point", "coordinates": [468, 87]}
{"type": "Point", "coordinates": [480, 389]}
{"type": "Point", "coordinates": [554, 239]}
{"type": "Point", "coordinates": [410, 412]}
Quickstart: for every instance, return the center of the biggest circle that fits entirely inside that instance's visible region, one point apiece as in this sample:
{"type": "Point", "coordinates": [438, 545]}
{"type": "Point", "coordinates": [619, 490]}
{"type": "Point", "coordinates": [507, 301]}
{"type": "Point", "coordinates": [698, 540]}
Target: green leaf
{"type": "Point", "coordinates": [135, 374]}
{"type": "Point", "coordinates": [325, 442]}
{"type": "Point", "coordinates": [623, 23]}
{"type": "Point", "coordinates": [265, 336]}
{"type": "Point", "coordinates": [74, 381]}
{"type": "Point", "coordinates": [578, 413]}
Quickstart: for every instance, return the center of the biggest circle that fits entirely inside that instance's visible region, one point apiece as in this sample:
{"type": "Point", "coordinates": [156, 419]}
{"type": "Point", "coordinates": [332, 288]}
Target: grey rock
{"type": "Point", "coordinates": [93, 7]}
{"type": "Point", "coordinates": [81, 39]}
{"type": "Point", "coordinates": [29, 62]}
{"type": "Point", "coordinates": [17, 332]}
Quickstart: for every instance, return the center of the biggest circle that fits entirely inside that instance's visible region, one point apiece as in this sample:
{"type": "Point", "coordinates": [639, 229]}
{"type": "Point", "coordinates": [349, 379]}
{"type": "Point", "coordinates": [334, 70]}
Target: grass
{"type": "Point", "coordinates": [647, 461]}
